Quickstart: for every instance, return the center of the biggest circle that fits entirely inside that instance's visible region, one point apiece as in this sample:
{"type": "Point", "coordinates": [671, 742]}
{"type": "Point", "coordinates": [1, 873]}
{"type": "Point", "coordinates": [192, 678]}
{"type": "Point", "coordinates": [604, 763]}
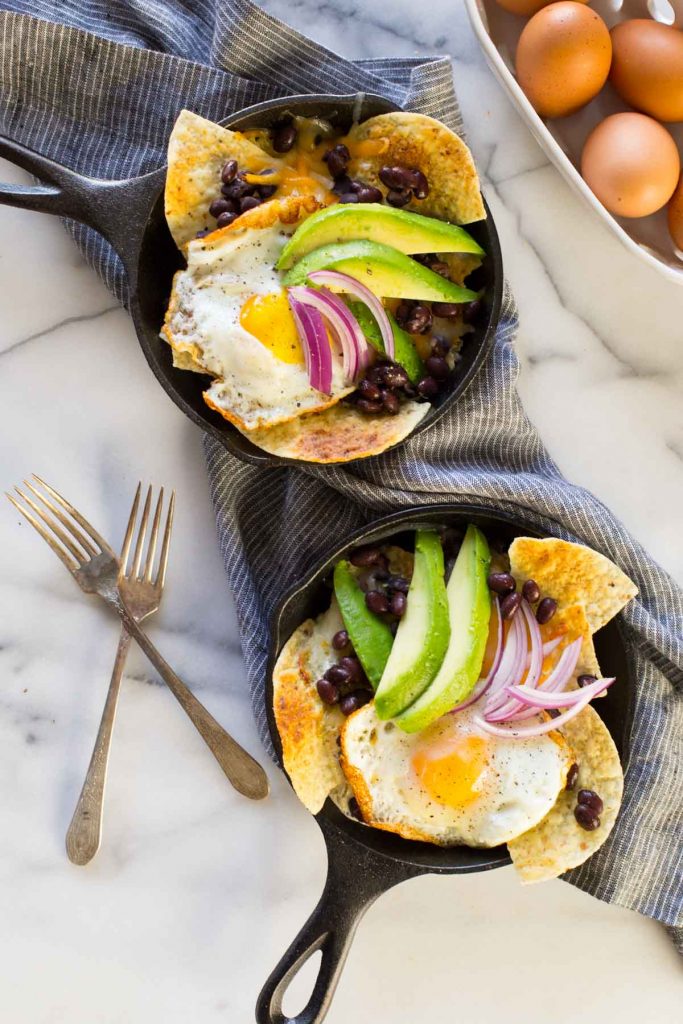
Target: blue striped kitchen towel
{"type": "Point", "coordinates": [100, 92]}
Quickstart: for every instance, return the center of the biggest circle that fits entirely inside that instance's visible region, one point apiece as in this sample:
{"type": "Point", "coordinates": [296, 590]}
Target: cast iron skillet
{"type": "Point", "coordinates": [364, 862]}
{"type": "Point", "coordinates": [130, 215]}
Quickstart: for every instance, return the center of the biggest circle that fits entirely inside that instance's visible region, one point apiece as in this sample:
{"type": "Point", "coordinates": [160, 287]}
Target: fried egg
{"type": "Point", "coordinates": [229, 312]}
{"type": "Point", "coordinates": [452, 783]}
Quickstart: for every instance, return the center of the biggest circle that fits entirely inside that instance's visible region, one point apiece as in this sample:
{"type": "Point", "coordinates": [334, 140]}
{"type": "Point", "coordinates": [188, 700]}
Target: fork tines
{"type": "Point", "coordinates": [137, 570]}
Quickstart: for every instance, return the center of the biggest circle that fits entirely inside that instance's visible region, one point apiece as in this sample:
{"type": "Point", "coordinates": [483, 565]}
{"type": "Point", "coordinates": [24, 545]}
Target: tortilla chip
{"type": "Point", "coordinates": [197, 150]}
{"type": "Point", "coordinates": [573, 574]}
{"type": "Point", "coordinates": [339, 433]}
{"type": "Point", "coordinates": [308, 728]}
{"type": "Point", "coordinates": [558, 843]}
{"type": "Point", "coordinates": [416, 140]}
{"type": "Point", "coordinates": [572, 621]}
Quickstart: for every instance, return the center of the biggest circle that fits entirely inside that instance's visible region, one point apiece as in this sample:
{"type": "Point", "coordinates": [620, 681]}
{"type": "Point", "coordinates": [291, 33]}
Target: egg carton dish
{"type": "Point", "coordinates": [329, 286]}
{"type": "Point", "coordinates": [600, 86]}
{"type": "Point", "coordinates": [445, 695]}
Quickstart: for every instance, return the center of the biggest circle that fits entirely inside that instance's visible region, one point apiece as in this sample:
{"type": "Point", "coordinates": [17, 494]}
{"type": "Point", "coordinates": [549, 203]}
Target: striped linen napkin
{"type": "Point", "coordinates": [100, 93]}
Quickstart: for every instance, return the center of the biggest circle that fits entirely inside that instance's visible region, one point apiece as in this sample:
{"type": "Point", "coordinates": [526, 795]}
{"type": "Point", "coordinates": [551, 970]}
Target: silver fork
{"type": "Point", "coordinates": [142, 594]}
{"type": "Point", "coordinates": [95, 567]}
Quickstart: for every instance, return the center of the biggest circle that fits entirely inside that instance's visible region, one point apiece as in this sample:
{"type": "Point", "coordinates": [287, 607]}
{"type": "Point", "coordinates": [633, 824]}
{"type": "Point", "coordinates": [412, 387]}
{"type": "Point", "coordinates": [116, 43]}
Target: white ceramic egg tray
{"type": "Point", "coordinates": [563, 138]}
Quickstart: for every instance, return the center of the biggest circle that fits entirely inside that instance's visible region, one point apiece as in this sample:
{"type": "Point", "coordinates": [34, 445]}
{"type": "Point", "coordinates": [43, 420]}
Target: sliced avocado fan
{"type": "Point", "coordinates": [469, 610]}
{"type": "Point", "coordinates": [408, 232]}
{"type": "Point", "coordinates": [423, 633]}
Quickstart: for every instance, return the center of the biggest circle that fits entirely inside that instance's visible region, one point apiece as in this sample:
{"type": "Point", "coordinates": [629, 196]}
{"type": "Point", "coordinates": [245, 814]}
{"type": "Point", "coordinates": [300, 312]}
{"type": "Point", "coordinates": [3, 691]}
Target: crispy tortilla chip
{"type": "Point", "coordinates": [573, 622]}
{"type": "Point", "coordinates": [308, 728]}
{"type": "Point", "coordinates": [416, 140]}
{"type": "Point", "coordinates": [339, 433]}
{"type": "Point", "coordinates": [573, 574]}
{"type": "Point", "coordinates": [558, 843]}
{"type": "Point", "coordinates": [197, 150]}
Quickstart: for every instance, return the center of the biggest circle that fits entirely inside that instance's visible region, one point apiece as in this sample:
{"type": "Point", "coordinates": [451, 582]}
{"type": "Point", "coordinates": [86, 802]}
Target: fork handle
{"type": "Point", "coordinates": [85, 831]}
{"type": "Point", "coordinates": [245, 774]}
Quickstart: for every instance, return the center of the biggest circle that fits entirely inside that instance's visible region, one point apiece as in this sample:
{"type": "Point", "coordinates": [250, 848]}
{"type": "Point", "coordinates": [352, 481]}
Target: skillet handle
{"type": "Point", "coordinates": [355, 878]}
{"type": "Point", "coordinates": [118, 210]}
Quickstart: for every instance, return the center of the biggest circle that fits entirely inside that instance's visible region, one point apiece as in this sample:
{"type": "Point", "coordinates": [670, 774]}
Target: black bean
{"type": "Point", "coordinates": [391, 403]}
{"type": "Point", "coordinates": [369, 408]}
{"type": "Point", "coordinates": [572, 776]}
{"type": "Point", "coordinates": [354, 808]}
{"type": "Point", "coordinates": [338, 675]}
{"type": "Point", "coordinates": [366, 556]}
{"type": "Point", "coordinates": [399, 583]}
{"type": "Point", "coordinates": [225, 219]}
{"type": "Point", "coordinates": [546, 609]}
{"type": "Point", "coordinates": [353, 666]}
{"type": "Point", "coordinates": [236, 189]}
{"type": "Point", "coordinates": [327, 691]}
{"type": "Point", "coordinates": [419, 321]}
{"type": "Point", "coordinates": [427, 387]}
{"type": "Point", "coordinates": [355, 185]}
{"type": "Point", "coordinates": [369, 390]}
{"type": "Point", "coordinates": [403, 312]}
{"type": "Point", "coordinates": [377, 602]}
{"type": "Point", "coordinates": [441, 268]}
{"type": "Point", "coordinates": [589, 798]}
{"type": "Point", "coordinates": [340, 640]}
{"type": "Point", "coordinates": [437, 367]}
{"type": "Point", "coordinates": [352, 701]}
{"type": "Point", "coordinates": [531, 591]}
{"type": "Point", "coordinates": [283, 137]}
{"type": "Point", "coordinates": [509, 605]}
{"type": "Point", "coordinates": [343, 184]}
{"type": "Point", "coordinates": [229, 172]}
{"type": "Point", "coordinates": [337, 160]}
{"type": "Point", "coordinates": [396, 177]}
{"type": "Point", "coordinates": [553, 712]}
{"type": "Point", "coordinates": [249, 203]}
{"type": "Point", "coordinates": [395, 376]}
{"type": "Point", "coordinates": [586, 817]}
{"type": "Point", "coordinates": [471, 312]}
{"type": "Point", "coordinates": [398, 604]}
{"type": "Point", "coordinates": [219, 206]}
{"type": "Point", "coordinates": [418, 183]}
{"type": "Point", "coordinates": [266, 191]}
{"type": "Point", "coordinates": [586, 680]}
{"type": "Point", "coordinates": [440, 346]}
{"type": "Point", "coordinates": [501, 582]}
{"type": "Point", "coordinates": [399, 199]}
{"type": "Point", "coordinates": [448, 310]}
{"type": "Point", "coordinates": [349, 197]}
{"type": "Point", "coordinates": [369, 194]}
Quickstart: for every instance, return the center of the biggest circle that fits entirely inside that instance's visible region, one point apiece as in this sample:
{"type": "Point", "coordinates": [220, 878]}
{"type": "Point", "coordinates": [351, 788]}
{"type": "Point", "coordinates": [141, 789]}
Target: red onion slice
{"type": "Point", "coordinates": [526, 732]}
{"type": "Point", "coordinates": [563, 699]}
{"type": "Point", "coordinates": [535, 664]}
{"type": "Point", "coordinates": [316, 346]}
{"type": "Point", "coordinates": [344, 283]}
{"type": "Point", "coordinates": [557, 680]}
{"type": "Point", "coordinates": [483, 685]}
{"type": "Point", "coordinates": [512, 663]}
{"type": "Point", "coordinates": [344, 326]}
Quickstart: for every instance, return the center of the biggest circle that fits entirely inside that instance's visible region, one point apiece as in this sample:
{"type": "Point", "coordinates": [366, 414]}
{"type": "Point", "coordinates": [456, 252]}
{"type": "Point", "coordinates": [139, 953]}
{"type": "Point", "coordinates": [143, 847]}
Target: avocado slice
{"type": "Point", "coordinates": [370, 636]}
{"type": "Point", "coordinates": [387, 272]}
{"type": "Point", "coordinates": [405, 352]}
{"type": "Point", "coordinates": [408, 232]}
{"type": "Point", "coordinates": [423, 633]}
{"type": "Point", "coordinates": [469, 611]}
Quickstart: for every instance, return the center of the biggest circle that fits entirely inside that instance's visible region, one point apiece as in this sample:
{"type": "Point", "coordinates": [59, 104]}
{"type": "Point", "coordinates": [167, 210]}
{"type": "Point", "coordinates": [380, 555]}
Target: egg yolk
{"type": "Point", "coordinates": [450, 770]}
{"type": "Point", "coordinates": [269, 319]}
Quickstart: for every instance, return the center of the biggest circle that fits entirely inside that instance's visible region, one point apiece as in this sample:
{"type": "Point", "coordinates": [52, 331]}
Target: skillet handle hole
{"type": "Point", "coordinates": [297, 995]}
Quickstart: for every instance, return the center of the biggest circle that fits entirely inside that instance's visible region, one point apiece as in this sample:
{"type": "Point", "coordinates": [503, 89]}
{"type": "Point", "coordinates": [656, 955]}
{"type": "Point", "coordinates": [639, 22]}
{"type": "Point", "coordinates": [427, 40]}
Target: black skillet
{"type": "Point", "coordinates": [363, 862]}
{"type": "Point", "coordinates": [130, 215]}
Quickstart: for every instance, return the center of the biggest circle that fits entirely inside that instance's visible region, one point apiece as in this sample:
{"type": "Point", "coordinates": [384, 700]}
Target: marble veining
{"type": "Point", "coordinates": [196, 892]}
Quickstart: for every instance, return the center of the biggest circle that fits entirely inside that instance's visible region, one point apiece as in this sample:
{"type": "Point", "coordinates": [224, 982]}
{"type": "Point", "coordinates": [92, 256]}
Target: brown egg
{"type": "Point", "coordinates": [676, 216]}
{"type": "Point", "coordinates": [527, 7]}
{"type": "Point", "coordinates": [563, 58]}
{"type": "Point", "coordinates": [647, 67]}
{"type": "Point", "coordinates": [631, 163]}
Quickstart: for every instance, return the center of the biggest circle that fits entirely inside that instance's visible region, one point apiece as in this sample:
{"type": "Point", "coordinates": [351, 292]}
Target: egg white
{"type": "Point", "coordinates": [253, 388]}
{"type": "Point", "coordinates": [518, 783]}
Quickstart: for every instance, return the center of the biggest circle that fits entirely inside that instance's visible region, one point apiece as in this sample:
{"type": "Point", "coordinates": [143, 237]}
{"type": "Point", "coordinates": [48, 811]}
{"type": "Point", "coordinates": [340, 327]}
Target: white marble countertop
{"type": "Point", "coordinates": [196, 892]}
